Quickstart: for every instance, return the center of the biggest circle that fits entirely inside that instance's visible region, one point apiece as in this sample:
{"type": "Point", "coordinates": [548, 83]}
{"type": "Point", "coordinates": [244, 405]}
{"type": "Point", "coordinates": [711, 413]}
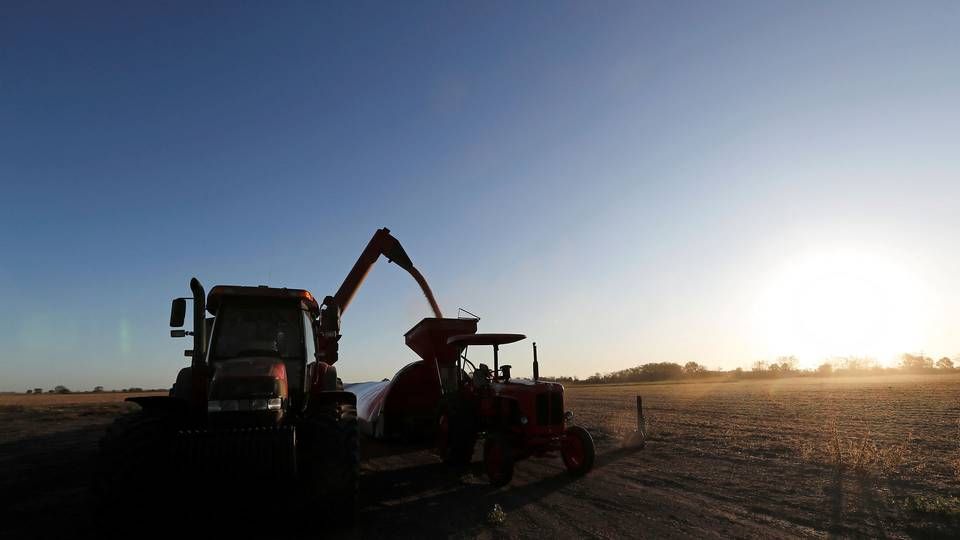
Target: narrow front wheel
{"type": "Point", "coordinates": [498, 459]}
{"type": "Point", "coordinates": [578, 451]}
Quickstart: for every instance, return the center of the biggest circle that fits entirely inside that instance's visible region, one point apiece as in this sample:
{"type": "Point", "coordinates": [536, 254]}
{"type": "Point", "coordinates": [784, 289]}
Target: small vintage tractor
{"type": "Point", "coordinates": [438, 400]}
{"type": "Point", "coordinates": [260, 404]}
{"type": "Point", "coordinates": [516, 418]}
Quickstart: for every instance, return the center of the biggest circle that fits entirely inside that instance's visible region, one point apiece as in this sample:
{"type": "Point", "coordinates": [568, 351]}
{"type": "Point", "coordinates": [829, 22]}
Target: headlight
{"type": "Point", "coordinates": [272, 404]}
{"type": "Point", "coordinates": [222, 405]}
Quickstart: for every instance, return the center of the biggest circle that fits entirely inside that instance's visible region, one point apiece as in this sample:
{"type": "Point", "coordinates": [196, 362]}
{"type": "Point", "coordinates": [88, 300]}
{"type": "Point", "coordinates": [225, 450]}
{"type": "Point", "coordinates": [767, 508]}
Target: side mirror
{"type": "Point", "coordinates": [178, 333]}
{"type": "Point", "coordinates": [178, 311]}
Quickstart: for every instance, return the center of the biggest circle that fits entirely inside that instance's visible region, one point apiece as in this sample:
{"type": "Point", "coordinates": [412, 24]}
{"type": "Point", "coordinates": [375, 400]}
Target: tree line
{"type": "Point", "coordinates": [61, 389]}
{"type": "Point", "coordinates": [784, 366]}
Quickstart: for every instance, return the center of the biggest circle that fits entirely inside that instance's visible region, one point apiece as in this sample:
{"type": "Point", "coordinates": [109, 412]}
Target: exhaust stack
{"type": "Point", "coordinates": [536, 365]}
{"type": "Point", "coordinates": [199, 359]}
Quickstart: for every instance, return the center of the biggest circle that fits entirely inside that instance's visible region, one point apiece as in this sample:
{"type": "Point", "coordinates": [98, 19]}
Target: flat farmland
{"type": "Point", "coordinates": [812, 457]}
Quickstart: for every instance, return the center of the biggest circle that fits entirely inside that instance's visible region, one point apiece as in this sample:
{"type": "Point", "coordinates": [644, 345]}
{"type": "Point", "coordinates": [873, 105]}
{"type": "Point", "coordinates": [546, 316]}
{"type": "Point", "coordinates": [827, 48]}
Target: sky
{"type": "Point", "coordinates": [624, 182]}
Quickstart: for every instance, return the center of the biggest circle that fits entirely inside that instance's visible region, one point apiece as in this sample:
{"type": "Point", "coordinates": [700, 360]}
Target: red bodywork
{"type": "Point", "coordinates": [407, 404]}
{"type": "Point", "coordinates": [541, 434]}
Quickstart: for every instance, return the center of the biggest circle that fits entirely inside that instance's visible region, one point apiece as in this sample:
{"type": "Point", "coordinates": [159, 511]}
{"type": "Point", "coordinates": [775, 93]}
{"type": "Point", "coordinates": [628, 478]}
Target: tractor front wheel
{"type": "Point", "coordinates": [577, 450]}
{"type": "Point", "coordinates": [330, 455]}
{"type": "Point", "coordinates": [498, 459]}
{"type": "Point", "coordinates": [133, 468]}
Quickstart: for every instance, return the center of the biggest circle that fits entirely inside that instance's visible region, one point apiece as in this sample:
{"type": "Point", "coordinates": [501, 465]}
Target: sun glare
{"type": "Point", "coordinates": [842, 304]}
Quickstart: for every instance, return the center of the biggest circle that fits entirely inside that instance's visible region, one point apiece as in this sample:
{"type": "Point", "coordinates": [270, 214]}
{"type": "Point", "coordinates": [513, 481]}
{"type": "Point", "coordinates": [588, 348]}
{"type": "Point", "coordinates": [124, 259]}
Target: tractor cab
{"type": "Point", "coordinates": [482, 375]}
{"type": "Point", "coordinates": [257, 355]}
{"type": "Point", "coordinates": [261, 337]}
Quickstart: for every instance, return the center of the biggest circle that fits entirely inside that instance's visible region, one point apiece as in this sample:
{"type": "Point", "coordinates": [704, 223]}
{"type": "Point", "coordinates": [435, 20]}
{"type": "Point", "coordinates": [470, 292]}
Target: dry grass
{"type": "Point", "coordinates": [42, 400]}
{"type": "Point", "coordinates": [24, 416]}
{"type": "Point", "coordinates": [864, 454]}
{"type": "Point", "coordinates": [882, 427]}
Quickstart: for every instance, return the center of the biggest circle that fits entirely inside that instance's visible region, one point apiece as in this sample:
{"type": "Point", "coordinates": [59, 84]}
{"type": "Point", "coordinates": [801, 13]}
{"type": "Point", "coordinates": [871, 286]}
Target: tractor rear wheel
{"type": "Point", "coordinates": [330, 457]}
{"type": "Point", "coordinates": [456, 439]}
{"type": "Point", "coordinates": [498, 459]}
{"type": "Point", "coordinates": [577, 450]}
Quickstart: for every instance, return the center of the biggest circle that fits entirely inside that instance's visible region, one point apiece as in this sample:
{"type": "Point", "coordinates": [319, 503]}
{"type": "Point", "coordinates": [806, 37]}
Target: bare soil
{"type": "Point", "coordinates": [771, 459]}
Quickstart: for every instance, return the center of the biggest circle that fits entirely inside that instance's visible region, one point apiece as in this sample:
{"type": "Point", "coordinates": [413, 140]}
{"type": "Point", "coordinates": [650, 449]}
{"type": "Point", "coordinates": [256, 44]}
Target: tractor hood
{"type": "Point", "coordinates": [249, 378]}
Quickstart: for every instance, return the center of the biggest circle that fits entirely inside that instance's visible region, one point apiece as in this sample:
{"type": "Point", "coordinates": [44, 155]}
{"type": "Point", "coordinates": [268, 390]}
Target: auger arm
{"type": "Point", "coordinates": [382, 244]}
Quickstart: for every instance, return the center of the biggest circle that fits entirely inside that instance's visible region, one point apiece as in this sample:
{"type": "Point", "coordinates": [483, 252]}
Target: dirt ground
{"type": "Point", "coordinates": [866, 457]}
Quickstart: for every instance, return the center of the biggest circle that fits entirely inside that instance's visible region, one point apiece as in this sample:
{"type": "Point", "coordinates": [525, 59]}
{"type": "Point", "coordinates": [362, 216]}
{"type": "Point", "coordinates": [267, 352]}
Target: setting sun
{"type": "Point", "coordinates": [842, 303]}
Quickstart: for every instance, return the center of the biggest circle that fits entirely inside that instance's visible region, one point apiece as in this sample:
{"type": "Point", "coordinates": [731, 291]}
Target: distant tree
{"type": "Point", "coordinates": [38, 390]}
{"type": "Point", "coordinates": [29, 391]}
{"type": "Point", "coordinates": [787, 363]}
{"type": "Point", "coordinates": [825, 368]}
{"type": "Point", "coordinates": [760, 365]}
{"type": "Point", "coordinates": [738, 372]}
{"type": "Point", "coordinates": [693, 368]}
{"type": "Point", "coordinates": [945, 363]}
{"type": "Point", "coordinates": [61, 389]}
{"type": "Point", "coordinates": [910, 362]}
{"type": "Point", "coordinates": [97, 389]}
{"type": "Point", "coordinates": [857, 363]}
{"type": "Point", "coordinates": [661, 371]}
{"type": "Point", "coordinates": [136, 389]}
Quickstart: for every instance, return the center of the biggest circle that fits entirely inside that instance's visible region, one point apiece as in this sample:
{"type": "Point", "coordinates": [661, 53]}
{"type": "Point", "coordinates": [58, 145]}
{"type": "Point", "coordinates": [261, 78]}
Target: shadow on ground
{"type": "Point", "coordinates": [45, 492]}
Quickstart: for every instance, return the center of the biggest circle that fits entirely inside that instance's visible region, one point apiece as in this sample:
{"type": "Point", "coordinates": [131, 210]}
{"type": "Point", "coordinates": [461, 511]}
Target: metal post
{"type": "Point", "coordinates": [496, 361]}
{"type": "Point", "coordinates": [640, 419]}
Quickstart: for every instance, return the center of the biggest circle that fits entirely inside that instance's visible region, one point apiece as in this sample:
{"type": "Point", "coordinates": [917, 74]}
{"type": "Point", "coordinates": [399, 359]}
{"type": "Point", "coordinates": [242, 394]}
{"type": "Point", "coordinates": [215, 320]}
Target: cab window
{"type": "Point", "coordinates": [308, 337]}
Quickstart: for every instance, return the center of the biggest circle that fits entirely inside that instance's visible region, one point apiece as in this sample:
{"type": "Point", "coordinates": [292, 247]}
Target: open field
{"type": "Point", "coordinates": [873, 456]}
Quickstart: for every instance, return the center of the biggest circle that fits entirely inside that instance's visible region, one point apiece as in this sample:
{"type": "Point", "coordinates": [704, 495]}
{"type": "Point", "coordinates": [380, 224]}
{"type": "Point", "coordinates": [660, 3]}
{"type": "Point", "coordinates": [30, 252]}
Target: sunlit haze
{"type": "Point", "coordinates": [623, 182]}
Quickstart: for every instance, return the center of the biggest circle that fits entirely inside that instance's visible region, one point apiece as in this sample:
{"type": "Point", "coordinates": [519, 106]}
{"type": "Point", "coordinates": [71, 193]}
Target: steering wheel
{"type": "Point", "coordinates": [466, 361]}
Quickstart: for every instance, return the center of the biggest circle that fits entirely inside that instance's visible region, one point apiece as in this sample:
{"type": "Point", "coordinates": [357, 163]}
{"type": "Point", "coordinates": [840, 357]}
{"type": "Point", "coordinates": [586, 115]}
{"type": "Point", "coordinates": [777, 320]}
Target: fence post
{"type": "Point", "coordinates": [640, 414]}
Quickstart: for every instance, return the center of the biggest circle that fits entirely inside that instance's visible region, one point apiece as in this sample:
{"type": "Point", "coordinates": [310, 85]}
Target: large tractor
{"type": "Point", "coordinates": [260, 401]}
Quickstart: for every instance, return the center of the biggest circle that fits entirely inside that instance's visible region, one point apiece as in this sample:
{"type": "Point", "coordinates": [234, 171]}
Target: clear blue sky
{"type": "Point", "coordinates": [626, 182]}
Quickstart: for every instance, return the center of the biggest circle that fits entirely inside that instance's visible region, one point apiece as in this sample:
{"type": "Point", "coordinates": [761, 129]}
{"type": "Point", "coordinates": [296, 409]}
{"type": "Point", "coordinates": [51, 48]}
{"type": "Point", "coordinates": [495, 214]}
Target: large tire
{"type": "Point", "coordinates": [456, 434]}
{"type": "Point", "coordinates": [455, 440]}
{"type": "Point", "coordinates": [133, 467]}
{"type": "Point", "coordinates": [183, 387]}
{"type": "Point", "coordinates": [330, 456]}
{"type": "Point", "coordinates": [578, 451]}
{"type": "Point", "coordinates": [498, 459]}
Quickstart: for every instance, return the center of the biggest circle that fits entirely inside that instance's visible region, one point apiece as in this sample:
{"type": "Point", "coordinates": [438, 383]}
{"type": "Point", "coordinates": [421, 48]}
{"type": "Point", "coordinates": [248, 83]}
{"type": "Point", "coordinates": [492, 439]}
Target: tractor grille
{"type": "Point", "coordinates": [556, 408]}
{"type": "Point", "coordinates": [247, 453]}
{"type": "Point", "coordinates": [543, 409]}
{"type": "Point", "coordinates": [550, 409]}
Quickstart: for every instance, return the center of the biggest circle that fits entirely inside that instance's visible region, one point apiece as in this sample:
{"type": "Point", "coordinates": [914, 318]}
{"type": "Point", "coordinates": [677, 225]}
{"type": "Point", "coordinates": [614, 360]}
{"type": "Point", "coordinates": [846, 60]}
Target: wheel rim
{"type": "Point", "coordinates": [573, 451]}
